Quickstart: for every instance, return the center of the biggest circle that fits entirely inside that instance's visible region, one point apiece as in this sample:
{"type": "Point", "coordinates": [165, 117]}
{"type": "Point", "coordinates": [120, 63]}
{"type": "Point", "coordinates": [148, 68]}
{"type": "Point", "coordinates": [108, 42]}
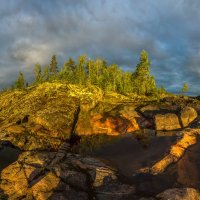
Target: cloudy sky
{"type": "Point", "coordinates": [31, 31]}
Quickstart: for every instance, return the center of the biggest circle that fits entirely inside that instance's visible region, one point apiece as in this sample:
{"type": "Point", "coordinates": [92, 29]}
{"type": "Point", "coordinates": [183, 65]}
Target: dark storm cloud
{"type": "Point", "coordinates": [31, 31]}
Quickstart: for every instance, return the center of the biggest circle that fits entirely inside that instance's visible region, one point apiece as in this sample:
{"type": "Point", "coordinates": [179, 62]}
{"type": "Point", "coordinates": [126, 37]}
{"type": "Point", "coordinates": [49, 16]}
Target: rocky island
{"type": "Point", "coordinates": [100, 100]}
{"type": "Point", "coordinates": [151, 151]}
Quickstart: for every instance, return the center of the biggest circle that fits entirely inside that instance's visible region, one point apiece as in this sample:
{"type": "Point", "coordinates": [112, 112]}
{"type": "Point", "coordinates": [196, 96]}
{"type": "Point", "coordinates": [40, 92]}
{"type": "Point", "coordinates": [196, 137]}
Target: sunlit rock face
{"type": "Point", "coordinates": [111, 120]}
{"type": "Point", "coordinates": [42, 116]}
{"type": "Point", "coordinates": [52, 175]}
{"type": "Point", "coordinates": [42, 120]}
{"type": "Point", "coordinates": [188, 115]}
{"type": "Point", "coordinates": [171, 115]}
{"type": "Point", "coordinates": [167, 122]}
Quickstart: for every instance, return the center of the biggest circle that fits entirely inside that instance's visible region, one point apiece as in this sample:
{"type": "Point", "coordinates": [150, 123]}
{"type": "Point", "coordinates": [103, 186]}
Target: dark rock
{"type": "Point", "coordinates": [47, 175]}
{"type": "Point", "coordinates": [25, 119]}
{"type": "Point", "coordinates": [179, 194]}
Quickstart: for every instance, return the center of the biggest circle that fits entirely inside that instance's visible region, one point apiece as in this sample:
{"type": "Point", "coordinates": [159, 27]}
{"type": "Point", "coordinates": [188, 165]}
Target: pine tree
{"type": "Point", "coordinates": [67, 73]}
{"type": "Point", "coordinates": [89, 68]}
{"type": "Point", "coordinates": [70, 70]}
{"type": "Point", "coordinates": [53, 65]}
{"type": "Point", "coordinates": [71, 64]}
{"type": "Point", "coordinates": [46, 73]}
{"type": "Point", "coordinates": [126, 81]}
{"type": "Point", "coordinates": [80, 71]}
{"type": "Point", "coordinates": [98, 68]}
{"type": "Point", "coordinates": [20, 81]}
{"type": "Point", "coordinates": [143, 82]}
{"type": "Point", "coordinates": [38, 73]}
{"type": "Point", "coordinates": [103, 75]}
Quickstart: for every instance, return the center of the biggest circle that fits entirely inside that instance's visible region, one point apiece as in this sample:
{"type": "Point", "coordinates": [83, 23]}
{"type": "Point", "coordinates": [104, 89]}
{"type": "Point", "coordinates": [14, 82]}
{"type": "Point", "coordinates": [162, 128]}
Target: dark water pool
{"type": "Point", "coordinates": [8, 155]}
{"type": "Point", "coordinates": [184, 173]}
{"type": "Point", "coordinates": [129, 155]}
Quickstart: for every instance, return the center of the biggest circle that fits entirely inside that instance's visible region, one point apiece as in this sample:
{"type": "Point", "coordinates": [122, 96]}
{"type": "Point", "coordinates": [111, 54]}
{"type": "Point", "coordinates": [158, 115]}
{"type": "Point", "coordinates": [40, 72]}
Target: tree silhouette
{"type": "Point", "coordinates": [53, 65]}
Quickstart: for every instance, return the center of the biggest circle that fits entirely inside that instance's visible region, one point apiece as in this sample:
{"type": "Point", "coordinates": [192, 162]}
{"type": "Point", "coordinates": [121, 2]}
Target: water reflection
{"type": "Point", "coordinates": [8, 155]}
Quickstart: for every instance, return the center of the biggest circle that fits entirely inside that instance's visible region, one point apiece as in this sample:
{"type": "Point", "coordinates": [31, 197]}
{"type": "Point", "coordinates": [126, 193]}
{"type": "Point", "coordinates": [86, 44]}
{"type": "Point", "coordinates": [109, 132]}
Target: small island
{"type": "Point", "coordinates": [99, 100]}
{"type": "Point", "coordinates": [89, 130]}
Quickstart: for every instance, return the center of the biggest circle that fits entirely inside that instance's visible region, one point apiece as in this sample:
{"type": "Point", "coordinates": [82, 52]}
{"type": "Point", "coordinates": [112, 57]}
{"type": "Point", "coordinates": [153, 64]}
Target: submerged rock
{"type": "Point", "coordinates": [179, 194]}
{"type": "Point", "coordinates": [175, 152]}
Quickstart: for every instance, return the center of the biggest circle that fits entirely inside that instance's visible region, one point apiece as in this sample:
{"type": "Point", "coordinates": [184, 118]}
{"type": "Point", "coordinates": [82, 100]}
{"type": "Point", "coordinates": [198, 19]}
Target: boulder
{"type": "Point", "coordinates": [149, 111]}
{"type": "Point", "coordinates": [167, 122]}
{"type": "Point", "coordinates": [32, 138]}
{"type": "Point", "coordinates": [179, 194]}
{"type": "Point", "coordinates": [188, 115]}
{"type": "Point", "coordinates": [139, 122]}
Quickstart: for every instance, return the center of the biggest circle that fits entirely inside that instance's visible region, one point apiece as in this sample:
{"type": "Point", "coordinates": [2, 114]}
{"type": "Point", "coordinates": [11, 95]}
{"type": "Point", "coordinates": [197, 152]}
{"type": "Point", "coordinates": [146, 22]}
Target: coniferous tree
{"type": "Point", "coordinates": [46, 73]}
{"type": "Point", "coordinates": [20, 83]}
{"type": "Point", "coordinates": [96, 72]}
{"type": "Point", "coordinates": [143, 82]}
{"type": "Point", "coordinates": [104, 75]}
{"type": "Point", "coordinates": [53, 65]}
{"type": "Point", "coordinates": [115, 78]}
{"type": "Point", "coordinates": [71, 64]}
{"type": "Point", "coordinates": [38, 73]}
{"type": "Point", "coordinates": [89, 70]}
{"type": "Point", "coordinates": [127, 83]}
{"type": "Point", "coordinates": [80, 70]}
{"type": "Point", "coordinates": [98, 67]}
{"type": "Point", "coordinates": [68, 71]}
{"type": "Point", "coordinates": [63, 74]}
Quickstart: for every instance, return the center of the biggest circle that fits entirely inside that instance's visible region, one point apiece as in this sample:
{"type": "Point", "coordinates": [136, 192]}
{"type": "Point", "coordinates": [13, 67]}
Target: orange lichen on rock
{"type": "Point", "coordinates": [133, 126]}
{"type": "Point", "coordinates": [109, 125]}
{"type": "Point", "coordinates": [15, 129]}
{"type": "Point", "coordinates": [103, 126]}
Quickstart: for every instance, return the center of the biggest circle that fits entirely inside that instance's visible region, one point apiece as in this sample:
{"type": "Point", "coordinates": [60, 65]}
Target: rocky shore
{"type": "Point", "coordinates": [44, 123]}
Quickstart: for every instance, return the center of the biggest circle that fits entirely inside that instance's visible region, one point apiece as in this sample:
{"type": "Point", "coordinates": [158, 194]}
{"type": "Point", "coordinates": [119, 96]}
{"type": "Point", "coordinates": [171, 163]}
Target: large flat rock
{"type": "Point", "coordinates": [167, 122]}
